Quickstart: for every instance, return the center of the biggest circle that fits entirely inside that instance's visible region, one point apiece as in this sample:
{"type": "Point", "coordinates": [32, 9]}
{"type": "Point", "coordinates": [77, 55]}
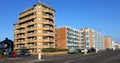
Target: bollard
{"type": "Point", "coordinates": [39, 56]}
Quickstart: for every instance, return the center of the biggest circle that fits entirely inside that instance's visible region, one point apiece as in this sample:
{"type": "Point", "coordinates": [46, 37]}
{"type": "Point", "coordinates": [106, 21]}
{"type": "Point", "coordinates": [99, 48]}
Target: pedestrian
{"type": "Point", "coordinates": [14, 53]}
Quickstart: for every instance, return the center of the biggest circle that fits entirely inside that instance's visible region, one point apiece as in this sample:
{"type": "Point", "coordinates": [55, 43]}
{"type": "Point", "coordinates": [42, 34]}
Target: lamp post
{"type": "Point", "coordinates": [40, 52]}
{"type": "Point", "coordinates": [96, 50]}
{"type": "Point", "coordinates": [39, 55]}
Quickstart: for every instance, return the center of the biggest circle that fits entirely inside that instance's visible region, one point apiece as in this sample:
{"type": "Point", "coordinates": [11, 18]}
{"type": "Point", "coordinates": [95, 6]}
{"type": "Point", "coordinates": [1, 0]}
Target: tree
{"type": "Point", "coordinates": [92, 49]}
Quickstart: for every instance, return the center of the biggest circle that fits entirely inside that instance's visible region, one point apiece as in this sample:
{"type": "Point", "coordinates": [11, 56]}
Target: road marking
{"type": "Point", "coordinates": [69, 61]}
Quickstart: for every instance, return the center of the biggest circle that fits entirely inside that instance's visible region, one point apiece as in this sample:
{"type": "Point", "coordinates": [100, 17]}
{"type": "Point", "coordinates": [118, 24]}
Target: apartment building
{"type": "Point", "coordinates": [35, 28]}
{"type": "Point", "coordinates": [108, 42]}
{"type": "Point", "coordinates": [66, 38]}
{"type": "Point", "coordinates": [91, 38]}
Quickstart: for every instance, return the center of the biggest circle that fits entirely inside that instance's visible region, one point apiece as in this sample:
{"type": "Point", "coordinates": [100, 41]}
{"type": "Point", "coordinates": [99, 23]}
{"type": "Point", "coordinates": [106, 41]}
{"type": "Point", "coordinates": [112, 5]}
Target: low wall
{"type": "Point", "coordinates": [54, 53]}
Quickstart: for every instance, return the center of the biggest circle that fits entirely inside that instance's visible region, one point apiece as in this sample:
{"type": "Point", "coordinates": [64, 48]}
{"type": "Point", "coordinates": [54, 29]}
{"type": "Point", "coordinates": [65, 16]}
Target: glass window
{"type": "Point", "coordinates": [86, 32]}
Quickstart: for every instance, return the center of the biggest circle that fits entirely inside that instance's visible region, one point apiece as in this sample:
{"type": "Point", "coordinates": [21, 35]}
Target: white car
{"type": "Point", "coordinates": [82, 50]}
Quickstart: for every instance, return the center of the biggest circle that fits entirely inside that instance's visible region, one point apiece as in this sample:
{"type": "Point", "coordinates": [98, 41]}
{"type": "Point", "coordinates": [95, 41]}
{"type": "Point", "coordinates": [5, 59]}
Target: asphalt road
{"type": "Point", "coordinates": [100, 57]}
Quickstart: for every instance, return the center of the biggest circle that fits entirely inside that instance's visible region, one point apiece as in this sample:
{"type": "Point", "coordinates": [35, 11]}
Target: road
{"type": "Point", "coordinates": [100, 57]}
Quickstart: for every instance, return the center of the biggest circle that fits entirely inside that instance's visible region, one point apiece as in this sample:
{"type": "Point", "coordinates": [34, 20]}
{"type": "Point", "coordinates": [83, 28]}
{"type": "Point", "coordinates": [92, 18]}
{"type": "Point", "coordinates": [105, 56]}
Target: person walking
{"type": "Point", "coordinates": [14, 53]}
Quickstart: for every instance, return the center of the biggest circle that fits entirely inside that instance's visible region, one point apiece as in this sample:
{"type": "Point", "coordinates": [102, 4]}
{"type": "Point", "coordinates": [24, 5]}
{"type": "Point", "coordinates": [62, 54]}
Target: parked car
{"type": "Point", "coordinates": [22, 54]}
{"type": "Point", "coordinates": [73, 51]}
{"type": "Point", "coordinates": [82, 50]}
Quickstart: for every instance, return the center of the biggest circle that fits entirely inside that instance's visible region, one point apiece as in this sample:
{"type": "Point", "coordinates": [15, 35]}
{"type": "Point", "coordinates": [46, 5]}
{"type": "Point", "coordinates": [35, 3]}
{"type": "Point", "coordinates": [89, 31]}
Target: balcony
{"type": "Point", "coordinates": [31, 46]}
{"type": "Point", "coordinates": [46, 34]}
{"type": "Point", "coordinates": [31, 29]}
{"type": "Point", "coordinates": [48, 11]}
{"type": "Point", "coordinates": [16, 43]}
{"type": "Point", "coordinates": [48, 23]}
{"type": "Point", "coordinates": [68, 44]}
{"type": "Point", "coordinates": [21, 31]}
{"type": "Point", "coordinates": [48, 40]}
{"type": "Point", "coordinates": [47, 46]}
{"type": "Point", "coordinates": [46, 16]}
{"type": "Point", "coordinates": [31, 23]}
{"type": "Point", "coordinates": [20, 37]}
{"type": "Point", "coordinates": [22, 42]}
{"type": "Point", "coordinates": [49, 34]}
{"type": "Point", "coordinates": [20, 26]}
{"type": "Point", "coordinates": [16, 48]}
{"type": "Point", "coordinates": [46, 28]}
{"type": "Point", "coordinates": [31, 41]}
{"type": "Point", "coordinates": [52, 33]}
{"type": "Point", "coordinates": [27, 13]}
{"type": "Point", "coordinates": [27, 18]}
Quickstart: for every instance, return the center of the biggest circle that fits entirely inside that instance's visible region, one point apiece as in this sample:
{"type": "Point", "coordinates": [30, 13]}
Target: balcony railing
{"type": "Point", "coordinates": [27, 13]}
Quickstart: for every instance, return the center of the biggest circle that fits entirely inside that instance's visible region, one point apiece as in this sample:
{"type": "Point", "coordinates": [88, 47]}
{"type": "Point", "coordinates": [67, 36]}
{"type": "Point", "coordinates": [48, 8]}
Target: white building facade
{"type": "Point", "coordinates": [90, 38]}
{"type": "Point", "coordinates": [72, 36]}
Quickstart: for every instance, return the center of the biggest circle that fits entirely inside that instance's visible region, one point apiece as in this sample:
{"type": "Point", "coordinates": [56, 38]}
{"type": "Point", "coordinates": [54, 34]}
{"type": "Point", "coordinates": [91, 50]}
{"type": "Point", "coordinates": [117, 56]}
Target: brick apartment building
{"type": "Point", "coordinates": [35, 28]}
{"type": "Point", "coordinates": [67, 38]}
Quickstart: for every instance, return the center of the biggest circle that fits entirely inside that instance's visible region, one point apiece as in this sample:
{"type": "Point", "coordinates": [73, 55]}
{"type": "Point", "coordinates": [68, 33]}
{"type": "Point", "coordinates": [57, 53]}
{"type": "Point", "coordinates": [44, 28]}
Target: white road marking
{"type": "Point", "coordinates": [69, 61]}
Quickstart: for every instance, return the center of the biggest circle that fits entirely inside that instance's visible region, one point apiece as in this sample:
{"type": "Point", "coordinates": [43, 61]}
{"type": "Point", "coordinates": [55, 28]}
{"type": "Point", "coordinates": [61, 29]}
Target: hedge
{"type": "Point", "coordinates": [1, 53]}
{"type": "Point", "coordinates": [53, 50]}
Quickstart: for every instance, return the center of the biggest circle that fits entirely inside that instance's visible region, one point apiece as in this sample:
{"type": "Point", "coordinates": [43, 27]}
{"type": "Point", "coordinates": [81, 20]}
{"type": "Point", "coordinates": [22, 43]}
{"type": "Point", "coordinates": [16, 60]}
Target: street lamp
{"type": "Point", "coordinates": [40, 52]}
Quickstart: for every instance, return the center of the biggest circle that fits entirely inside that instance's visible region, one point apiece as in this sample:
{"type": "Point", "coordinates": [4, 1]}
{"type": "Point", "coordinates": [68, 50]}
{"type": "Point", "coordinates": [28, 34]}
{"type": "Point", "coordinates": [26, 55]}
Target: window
{"type": "Point", "coordinates": [87, 32]}
{"type": "Point", "coordinates": [87, 38]}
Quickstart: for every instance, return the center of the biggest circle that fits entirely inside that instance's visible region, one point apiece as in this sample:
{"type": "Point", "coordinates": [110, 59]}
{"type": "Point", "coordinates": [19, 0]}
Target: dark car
{"type": "Point", "coordinates": [22, 54]}
{"type": "Point", "coordinates": [73, 51]}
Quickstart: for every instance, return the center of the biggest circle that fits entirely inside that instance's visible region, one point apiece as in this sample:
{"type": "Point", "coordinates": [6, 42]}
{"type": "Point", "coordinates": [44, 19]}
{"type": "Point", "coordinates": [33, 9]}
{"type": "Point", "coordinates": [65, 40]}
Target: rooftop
{"type": "Point", "coordinates": [37, 4]}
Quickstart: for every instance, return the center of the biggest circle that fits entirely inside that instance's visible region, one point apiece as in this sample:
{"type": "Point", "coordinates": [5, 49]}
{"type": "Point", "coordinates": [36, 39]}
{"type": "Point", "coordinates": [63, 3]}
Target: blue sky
{"type": "Point", "coordinates": [101, 15]}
